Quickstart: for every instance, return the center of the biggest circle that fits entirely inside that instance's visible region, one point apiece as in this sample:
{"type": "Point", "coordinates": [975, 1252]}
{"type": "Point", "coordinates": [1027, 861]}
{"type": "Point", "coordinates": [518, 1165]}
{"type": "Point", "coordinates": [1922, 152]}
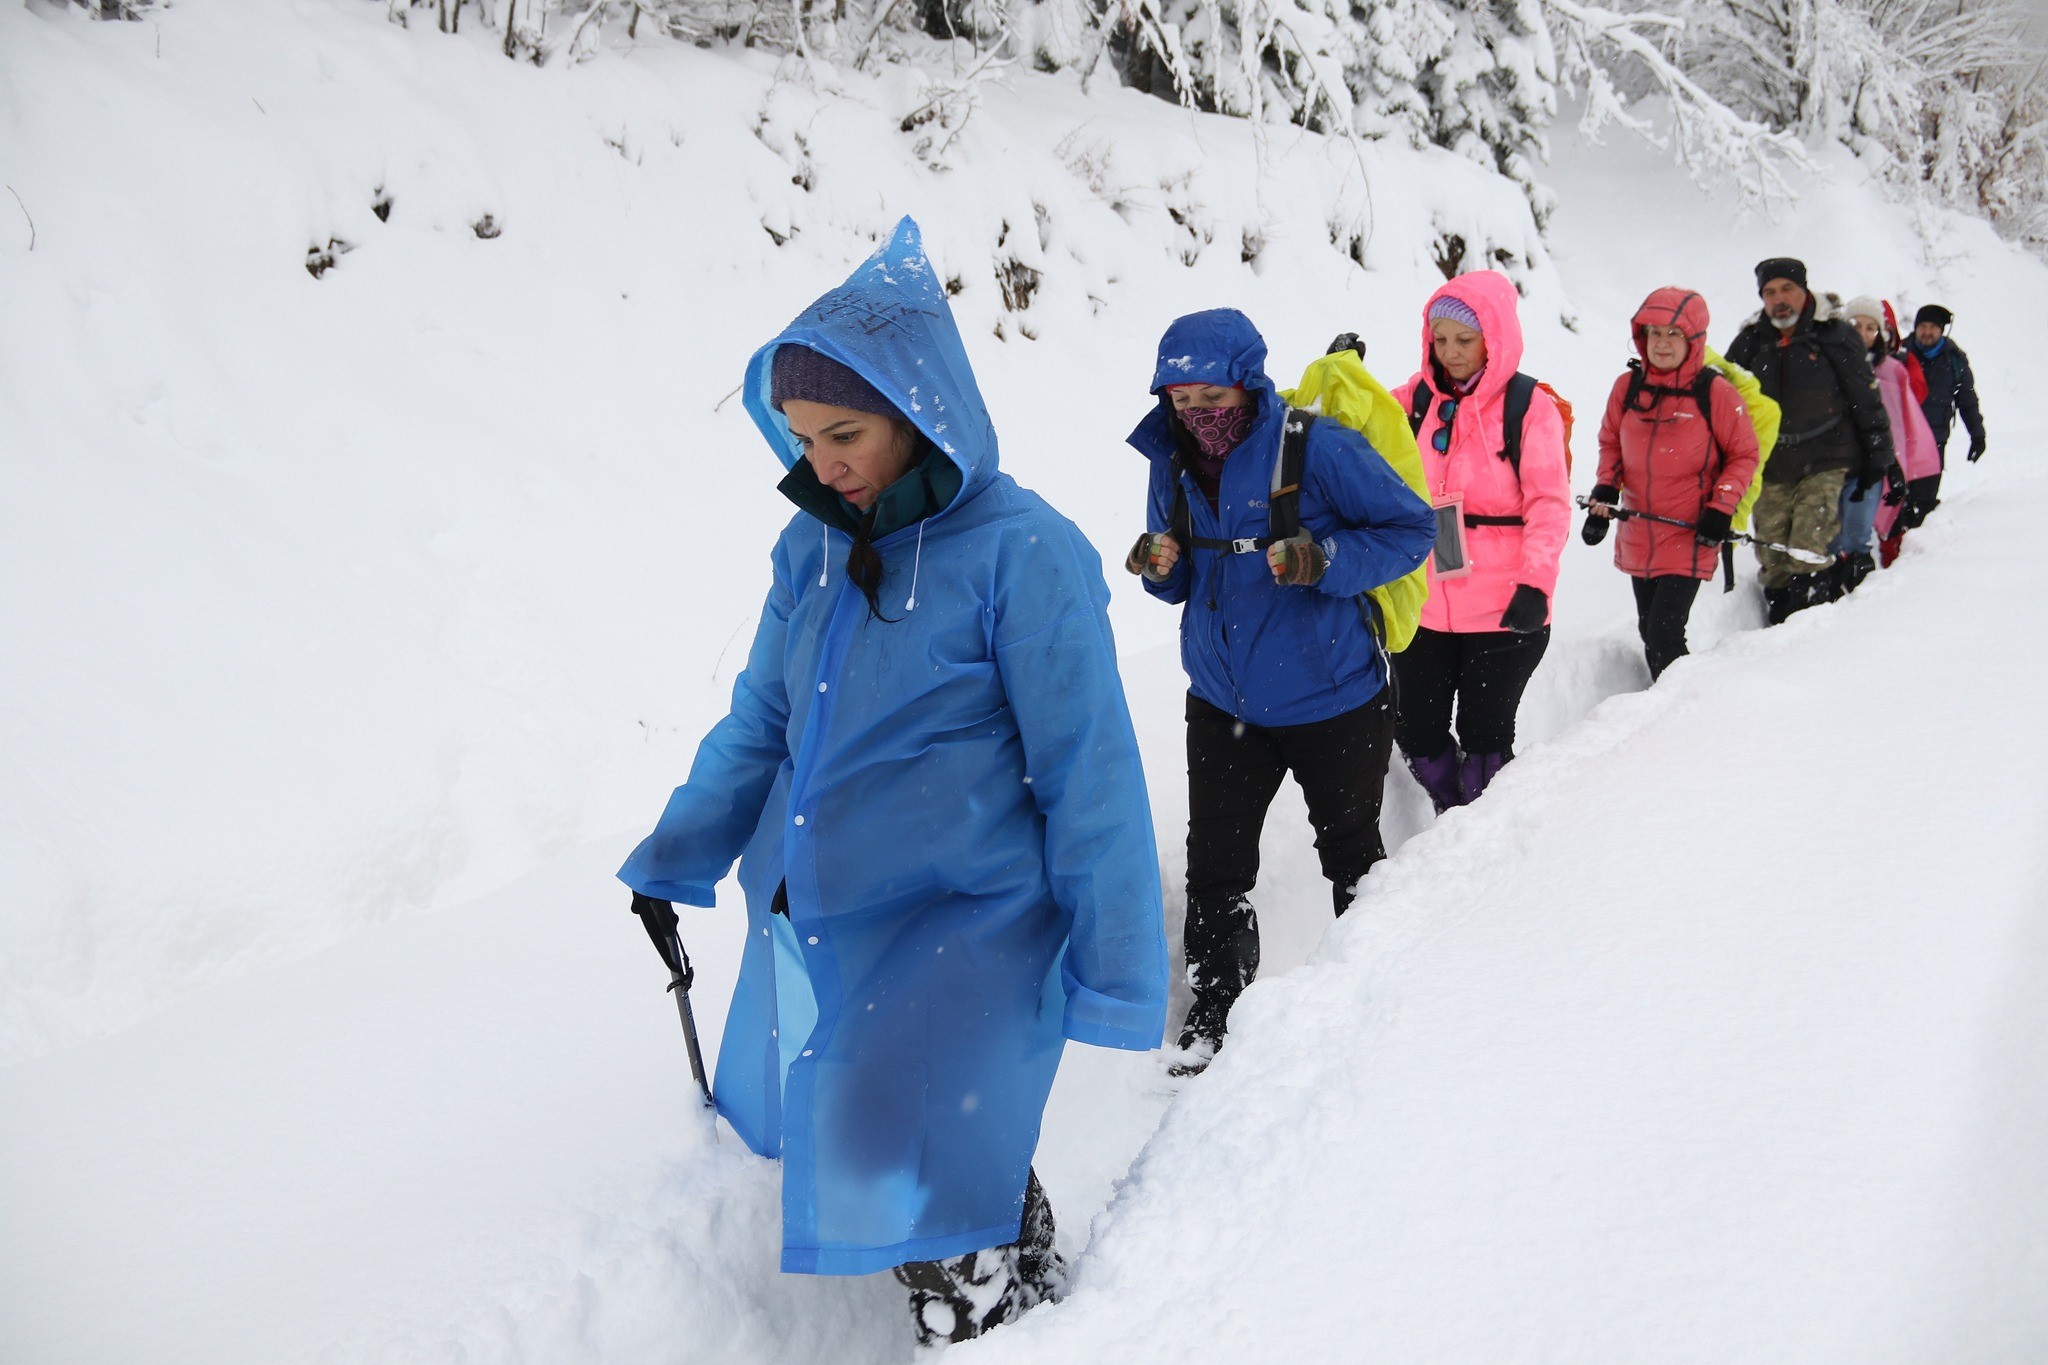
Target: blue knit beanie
{"type": "Point", "coordinates": [802, 373]}
{"type": "Point", "coordinates": [1456, 310]}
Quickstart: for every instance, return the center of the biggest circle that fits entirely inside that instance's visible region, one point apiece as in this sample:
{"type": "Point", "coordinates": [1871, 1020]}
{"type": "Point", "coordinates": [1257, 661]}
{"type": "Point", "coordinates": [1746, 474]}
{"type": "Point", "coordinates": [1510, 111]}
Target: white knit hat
{"type": "Point", "coordinates": [1864, 306]}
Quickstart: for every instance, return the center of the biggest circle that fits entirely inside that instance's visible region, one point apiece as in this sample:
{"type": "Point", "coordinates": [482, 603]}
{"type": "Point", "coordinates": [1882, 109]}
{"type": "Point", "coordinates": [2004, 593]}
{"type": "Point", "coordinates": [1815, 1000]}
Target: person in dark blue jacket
{"type": "Point", "coordinates": [1285, 671]}
{"type": "Point", "coordinates": [1951, 387]}
{"type": "Point", "coordinates": [931, 781]}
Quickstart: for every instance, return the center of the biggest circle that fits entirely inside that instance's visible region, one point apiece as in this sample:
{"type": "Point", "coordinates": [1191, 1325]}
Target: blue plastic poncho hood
{"type": "Point", "coordinates": [952, 799]}
{"type": "Point", "coordinates": [891, 323]}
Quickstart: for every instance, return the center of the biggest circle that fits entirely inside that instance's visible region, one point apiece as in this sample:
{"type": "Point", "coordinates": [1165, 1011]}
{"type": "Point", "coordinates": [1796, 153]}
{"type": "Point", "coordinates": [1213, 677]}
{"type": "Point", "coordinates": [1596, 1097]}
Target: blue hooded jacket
{"type": "Point", "coordinates": [1268, 653]}
{"type": "Point", "coordinates": [955, 803]}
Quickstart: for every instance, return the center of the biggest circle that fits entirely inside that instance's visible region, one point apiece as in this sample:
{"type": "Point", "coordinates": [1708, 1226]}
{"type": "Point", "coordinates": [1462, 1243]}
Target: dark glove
{"type": "Point", "coordinates": [1595, 529]}
{"type": "Point", "coordinates": [1894, 486]}
{"type": "Point", "coordinates": [1346, 341]}
{"type": "Point", "coordinates": [1713, 526]}
{"type": "Point", "coordinates": [1299, 561]}
{"type": "Point", "coordinates": [1866, 479]}
{"type": "Point", "coordinates": [658, 918]}
{"type": "Point", "coordinates": [1526, 610]}
{"type": "Point", "coordinates": [1976, 449]}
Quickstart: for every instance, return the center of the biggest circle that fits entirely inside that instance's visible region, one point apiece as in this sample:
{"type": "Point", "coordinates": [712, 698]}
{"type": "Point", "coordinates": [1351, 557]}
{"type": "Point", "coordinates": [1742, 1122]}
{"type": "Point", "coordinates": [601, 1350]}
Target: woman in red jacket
{"type": "Point", "coordinates": [1676, 447]}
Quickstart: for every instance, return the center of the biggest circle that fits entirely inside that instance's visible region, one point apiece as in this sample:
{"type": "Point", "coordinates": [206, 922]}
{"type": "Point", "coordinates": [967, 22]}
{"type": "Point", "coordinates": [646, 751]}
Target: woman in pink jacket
{"type": "Point", "coordinates": [1665, 452]}
{"type": "Point", "coordinates": [1501, 522]}
{"type": "Point", "coordinates": [1913, 440]}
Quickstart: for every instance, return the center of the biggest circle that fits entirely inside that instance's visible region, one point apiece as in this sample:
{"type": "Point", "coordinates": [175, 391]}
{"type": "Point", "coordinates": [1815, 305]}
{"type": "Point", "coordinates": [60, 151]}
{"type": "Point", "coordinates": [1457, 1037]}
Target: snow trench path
{"type": "Point", "coordinates": [1712, 1033]}
{"type": "Point", "coordinates": [1715, 1032]}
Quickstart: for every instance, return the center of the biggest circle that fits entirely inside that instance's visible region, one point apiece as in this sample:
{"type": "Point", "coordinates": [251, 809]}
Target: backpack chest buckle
{"type": "Point", "coordinates": [1244, 545]}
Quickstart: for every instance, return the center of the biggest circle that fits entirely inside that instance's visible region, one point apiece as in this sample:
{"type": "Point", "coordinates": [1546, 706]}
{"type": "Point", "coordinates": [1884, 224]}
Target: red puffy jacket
{"type": "Point", "coordinates": [1668, 457]}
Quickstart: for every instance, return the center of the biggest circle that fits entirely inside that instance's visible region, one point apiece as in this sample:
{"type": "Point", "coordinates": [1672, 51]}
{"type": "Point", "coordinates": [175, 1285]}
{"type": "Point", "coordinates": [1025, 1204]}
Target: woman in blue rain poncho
{"type": "Point", "coordinates": [930, 779]}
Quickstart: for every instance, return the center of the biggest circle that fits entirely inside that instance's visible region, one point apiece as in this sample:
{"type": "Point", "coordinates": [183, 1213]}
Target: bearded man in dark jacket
{"type": "Point", "coordinates": [1951, 387]}
{"type": "Point", "coordinates": [1835, 431]}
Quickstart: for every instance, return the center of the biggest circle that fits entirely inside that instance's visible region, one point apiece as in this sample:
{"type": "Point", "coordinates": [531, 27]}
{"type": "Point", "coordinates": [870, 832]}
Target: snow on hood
{"type": "Point", "coordinates": [890, 323]}
{"type": "Point", "coordinates": [1493, 297]}
{"type": "Point", "coordinates": [1217, 346]}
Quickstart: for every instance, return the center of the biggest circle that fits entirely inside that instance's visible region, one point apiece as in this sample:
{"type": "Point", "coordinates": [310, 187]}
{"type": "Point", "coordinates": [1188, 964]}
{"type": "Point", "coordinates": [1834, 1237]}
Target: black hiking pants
{"type": "Point", "coordinates": [1234, 771]}
{"type": "Point", "coordinates": [1482, 673]}
{"type": "Point", "coordinates": [1663, 606]}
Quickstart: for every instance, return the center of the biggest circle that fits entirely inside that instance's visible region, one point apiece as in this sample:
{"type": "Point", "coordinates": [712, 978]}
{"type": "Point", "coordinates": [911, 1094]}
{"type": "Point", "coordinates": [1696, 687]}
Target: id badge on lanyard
{"type": "Point", "coordinates": [1451, 558]}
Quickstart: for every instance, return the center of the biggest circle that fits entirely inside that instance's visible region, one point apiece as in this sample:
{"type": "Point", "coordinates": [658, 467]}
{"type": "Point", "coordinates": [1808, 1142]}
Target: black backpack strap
{"type": "Point", "coordinates": [1521, 388]}
{"type": "Point", "coordinates": [1179, 522]}
{"type": "Point", "coordinates": [1637, 383]}
{"type": "Point", "coordinates": [1418, 404]}
{"type": "Point", "coordinates": [1283, 497]}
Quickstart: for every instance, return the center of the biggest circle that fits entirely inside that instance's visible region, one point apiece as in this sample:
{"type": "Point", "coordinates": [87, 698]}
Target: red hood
{"type": "Point", "coordinates": [1674, 307]}
{"type": "Point", "coordinates": [1491, 295]}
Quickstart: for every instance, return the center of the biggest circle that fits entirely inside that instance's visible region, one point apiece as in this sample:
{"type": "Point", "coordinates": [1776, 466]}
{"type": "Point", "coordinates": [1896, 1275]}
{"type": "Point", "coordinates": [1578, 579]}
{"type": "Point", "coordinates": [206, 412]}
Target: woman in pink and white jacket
{"type": "Point", "coordinates": [1501, 528]}
{"type": "Point", "coordinates": [1912, 438]}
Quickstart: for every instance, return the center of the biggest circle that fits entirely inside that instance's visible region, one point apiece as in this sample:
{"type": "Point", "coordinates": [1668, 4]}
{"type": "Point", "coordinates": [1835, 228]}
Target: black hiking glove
{"type": "Point", "coordinates": [1596, 528]}
{"type": "Point", "coordinates": [1894, 486]}
{"type": "Point", "coordinates": [1346, 341]}
{"type": "Point", "coordinates": [1713, 526]}
{"type": "Point", "coordinates": [1976, 449]}
{"type": "Point", "coordinates": [1867, 478]}
{"type": "Point", "coordinates": [658, 918]}
{"type": "Point", "coordinates": [1526, 610]}
{"type": "Point", "coordinates": [1299, 561]}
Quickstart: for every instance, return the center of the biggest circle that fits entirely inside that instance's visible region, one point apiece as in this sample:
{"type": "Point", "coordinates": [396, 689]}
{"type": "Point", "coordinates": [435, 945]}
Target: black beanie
{"type": "Point", "coordinates": [1780, 268]}
{"type": "Point", "coordinates": [1934, 313]}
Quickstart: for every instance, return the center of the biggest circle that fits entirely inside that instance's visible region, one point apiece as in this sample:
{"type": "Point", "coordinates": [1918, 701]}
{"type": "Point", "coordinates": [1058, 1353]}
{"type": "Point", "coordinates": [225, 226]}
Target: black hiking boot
{"type": "Point", "coordinates": [958, 1300]}
{"type": "Point", "coordinates": [1221, 941]}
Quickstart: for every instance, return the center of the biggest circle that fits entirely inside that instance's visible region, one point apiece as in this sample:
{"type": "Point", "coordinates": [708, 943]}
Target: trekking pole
{"type": "Point", "coordinates": [659, 919]}
{"type": "Point", "coordinates": [1744, 537]}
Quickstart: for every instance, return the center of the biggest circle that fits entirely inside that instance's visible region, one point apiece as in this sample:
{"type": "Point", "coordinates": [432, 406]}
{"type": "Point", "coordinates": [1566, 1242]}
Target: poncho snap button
{"type": "Point", "coordinates": [821, 687]}
{"type": "Point", "coordinates": [799, 819]}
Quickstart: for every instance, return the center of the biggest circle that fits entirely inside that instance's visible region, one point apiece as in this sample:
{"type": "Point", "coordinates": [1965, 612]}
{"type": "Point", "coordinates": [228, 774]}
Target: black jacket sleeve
{"type": "Point", "coordinates": [1851, 364]}
{"type": "Point", "coordinates": [1966, 398]}
{"type": "Point", "coordinates": [1742, 350]}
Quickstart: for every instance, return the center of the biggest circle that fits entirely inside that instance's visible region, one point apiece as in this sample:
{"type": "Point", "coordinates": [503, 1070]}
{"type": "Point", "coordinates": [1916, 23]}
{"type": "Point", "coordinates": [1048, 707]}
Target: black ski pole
{"type": "Point", "coordinates": [659, 919]}
{"type": "Point", "coordinates": [1744, 537]}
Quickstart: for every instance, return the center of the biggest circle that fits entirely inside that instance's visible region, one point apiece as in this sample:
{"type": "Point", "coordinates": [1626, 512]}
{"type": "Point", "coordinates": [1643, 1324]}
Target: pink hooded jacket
{"type": "Point", "coordinates": [1502, 556]}
{"type": "Point", "coordinates": [1912, 438]}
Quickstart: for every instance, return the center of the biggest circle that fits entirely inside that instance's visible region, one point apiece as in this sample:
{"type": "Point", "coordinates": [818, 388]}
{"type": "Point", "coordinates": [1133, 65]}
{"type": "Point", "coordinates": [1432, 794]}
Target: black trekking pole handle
{"type": "Point", "coordinates": [1741, 537]}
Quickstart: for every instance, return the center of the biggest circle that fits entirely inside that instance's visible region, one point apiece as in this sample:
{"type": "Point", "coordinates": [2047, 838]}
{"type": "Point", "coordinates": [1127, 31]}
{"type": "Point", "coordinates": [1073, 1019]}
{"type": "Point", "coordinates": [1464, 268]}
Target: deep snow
{"type": "Point", "coordinates": [1711, 1034]}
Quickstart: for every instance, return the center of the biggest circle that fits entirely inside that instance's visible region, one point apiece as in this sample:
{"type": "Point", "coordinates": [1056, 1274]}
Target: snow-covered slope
{"type": "Point", "coordinates": [1707, 1035]}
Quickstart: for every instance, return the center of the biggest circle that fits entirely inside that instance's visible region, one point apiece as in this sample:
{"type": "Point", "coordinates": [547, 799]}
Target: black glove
{"type": "Point", "coordinates": [1713, 526]}
{"type": "Point", "coordinates": [1595, 529]}
{"type": "Point", "coordinates": [1894, 486]}
{"type": "Point", "coordinates": [1976, 449]}
{"type": "Point", "coordinates": [1866, 479]}
{"type": "Point", "coordinates": [658, 918]}
{"type": "Point", "coordinates": [1526, 610]}
{"type": "Point", "coordinates": [1346, 341]}
{"type": "Point", "coordinates": [1303, 559]}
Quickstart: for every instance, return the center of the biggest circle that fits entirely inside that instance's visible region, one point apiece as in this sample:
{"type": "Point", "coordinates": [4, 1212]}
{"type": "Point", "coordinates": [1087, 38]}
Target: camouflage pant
{"type": "Point", "coordinates": [1805, 515]}
{"type": "Point", "coordinates": [960, 1299]}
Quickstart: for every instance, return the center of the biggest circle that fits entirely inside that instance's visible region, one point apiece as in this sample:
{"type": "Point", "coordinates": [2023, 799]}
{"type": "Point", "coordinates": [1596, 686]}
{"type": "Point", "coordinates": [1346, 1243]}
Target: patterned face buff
{"type": "Point", "coordinates": [1217, 431]}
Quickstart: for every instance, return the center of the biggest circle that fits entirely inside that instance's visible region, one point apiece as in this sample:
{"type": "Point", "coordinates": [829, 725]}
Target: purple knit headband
{"type": "Point", "coordinates": [1456, 311]}
{"type": "Point", "coordinates": [804, 374]}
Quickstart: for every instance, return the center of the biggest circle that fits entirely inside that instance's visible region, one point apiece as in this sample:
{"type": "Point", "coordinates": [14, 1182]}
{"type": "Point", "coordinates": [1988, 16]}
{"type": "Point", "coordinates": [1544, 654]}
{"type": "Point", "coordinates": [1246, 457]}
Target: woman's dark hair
{"type": "Point", "coordinates": [863, 561]}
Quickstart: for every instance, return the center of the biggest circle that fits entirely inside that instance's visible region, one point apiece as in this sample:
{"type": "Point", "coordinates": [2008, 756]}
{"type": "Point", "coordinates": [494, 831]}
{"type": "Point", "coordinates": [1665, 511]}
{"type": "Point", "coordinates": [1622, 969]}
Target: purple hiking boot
{"type": "Point", "coordinates": [1478, 770]}
{"type": "Point", "coordinates": [1439, 777]}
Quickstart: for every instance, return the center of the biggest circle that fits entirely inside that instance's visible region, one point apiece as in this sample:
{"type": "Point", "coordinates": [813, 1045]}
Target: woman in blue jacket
{"type": "Point", "coordinates": [930, 779]}
{"type": "Point", "coordinates": [1285, 670]}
